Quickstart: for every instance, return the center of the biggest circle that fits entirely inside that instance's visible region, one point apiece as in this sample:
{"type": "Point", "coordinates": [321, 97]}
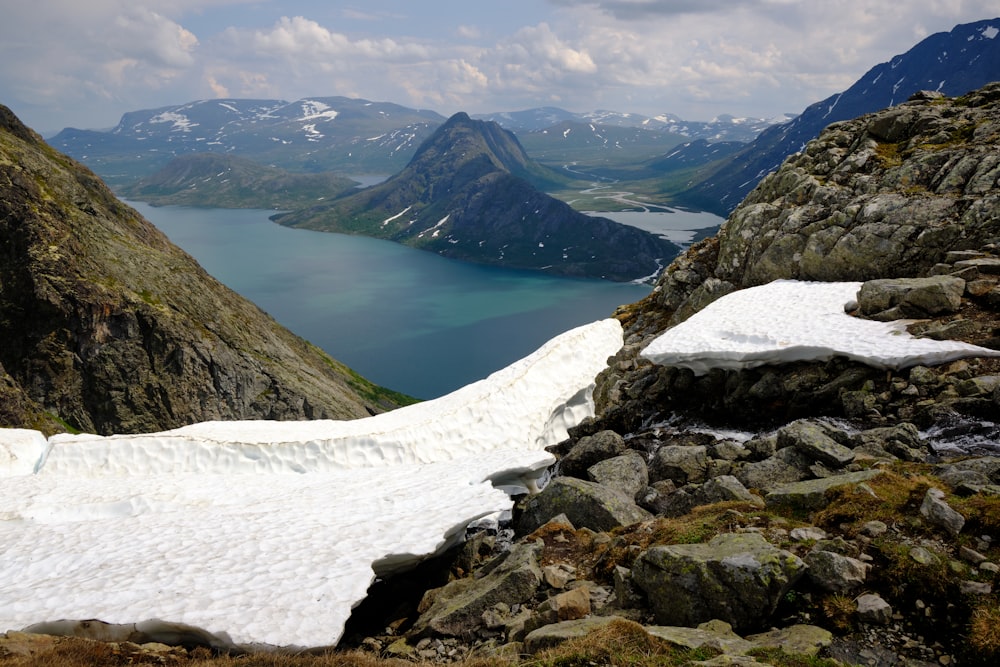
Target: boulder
{"type": "Point", "coordinates": [873, 609]}
{"type": "Point", "coordinates": [835, 572]}
{"type": "Point", "coordinates": [724, 488]}
{"type": "Point", "coordinates": [626, 474]}
{"type": "Point", "coordinates": [736, 578]}
{"type": "Point", "coordinates": [811, 494]}
{"type": "Point", "coordinates": [589, 450]}
{"type": "Point", "coordinates": [585, 504]}
{"type": "Point", "coordinates": [548, 636]}
{"type": "Point", "coordinates": [812, 439]}
{"type": "Point", "coordinates": [938, 512]}
{"type": "Point", "coordinates": [715, 634]}
{"type": "Point", "coordinates": [682, 465]}
{"type": "Point", "coordinates": [798, 639]}
{"type": "Point", "coordinates": [457, 608]}
{"type": "Point", "coordinates": [890, 299]}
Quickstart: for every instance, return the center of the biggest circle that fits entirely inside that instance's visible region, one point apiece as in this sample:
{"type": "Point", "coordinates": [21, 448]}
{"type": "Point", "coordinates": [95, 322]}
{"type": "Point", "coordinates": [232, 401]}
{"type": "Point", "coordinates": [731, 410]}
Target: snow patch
{"type": "Point", "coordinates": [789, 320]}
{"type": "Point", "coordinates": [398, 215]}
{"type": "Point", "coordinates": [181, 123]}
{"type": "Point", "coordinates": [989, 32]}
{"type": "Point", "coordinates": [313, 109]}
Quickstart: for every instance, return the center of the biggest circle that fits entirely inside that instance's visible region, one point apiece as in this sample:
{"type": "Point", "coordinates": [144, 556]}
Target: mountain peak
{"type": "Point", "coordinates": [469, 193]}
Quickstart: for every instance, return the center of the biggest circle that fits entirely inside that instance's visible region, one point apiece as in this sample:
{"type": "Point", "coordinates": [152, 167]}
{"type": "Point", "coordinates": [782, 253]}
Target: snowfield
{"type": "Point", "coordinates": [267, 533]}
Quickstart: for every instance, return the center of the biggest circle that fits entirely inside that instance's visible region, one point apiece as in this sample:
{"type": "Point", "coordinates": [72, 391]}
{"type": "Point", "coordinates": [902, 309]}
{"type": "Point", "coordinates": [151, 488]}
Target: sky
{"type": "Point", "coordinates": [68, 63]}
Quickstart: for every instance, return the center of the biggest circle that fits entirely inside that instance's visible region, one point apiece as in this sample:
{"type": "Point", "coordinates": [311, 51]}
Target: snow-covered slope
{"type": "Point", "coordinates": [789, 320]}
{"type": "Point", "coordinates": [269, 532]}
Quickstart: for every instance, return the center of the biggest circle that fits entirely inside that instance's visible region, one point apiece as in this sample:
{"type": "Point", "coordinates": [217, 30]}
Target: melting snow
{"type": "Point", "coordinates": [789, 320]}
{"type": "Point", "coordinates": [989, 32]}
{"type": "Point", "coordinates": [181, 123]}
{"type": "Point", "coordinates": [269, 532]}
{"type": "Point", "coordinates": [312, 109]}
{"type": "Point", "coordinates": [398, 215]}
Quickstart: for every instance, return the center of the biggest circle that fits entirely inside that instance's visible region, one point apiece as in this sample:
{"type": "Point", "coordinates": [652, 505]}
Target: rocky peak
{"type": "Point", "coordinates": [465, 139]}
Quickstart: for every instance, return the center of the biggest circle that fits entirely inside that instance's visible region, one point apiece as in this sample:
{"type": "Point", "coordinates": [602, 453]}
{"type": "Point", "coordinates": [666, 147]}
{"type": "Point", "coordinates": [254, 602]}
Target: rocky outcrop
{"type": "Point", "coordinates": [909, 195]}
{"type": "Point", "coordinates": [471, 193]}
{"type": "Point", "coordinates": [107, 327]}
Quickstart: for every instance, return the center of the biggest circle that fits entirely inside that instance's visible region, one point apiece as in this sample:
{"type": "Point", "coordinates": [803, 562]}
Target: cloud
{"type": "Point", "coordinates": [694, 58]}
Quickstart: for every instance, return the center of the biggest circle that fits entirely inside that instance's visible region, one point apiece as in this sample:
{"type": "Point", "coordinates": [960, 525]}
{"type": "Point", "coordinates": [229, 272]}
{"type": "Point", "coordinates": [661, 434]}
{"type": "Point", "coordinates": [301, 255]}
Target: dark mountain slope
{"type": "Point", "coordinates": [108, 327]}
{"type": "Point", "coordinates": [952, 63]}
{"type": "Point", "coordinates": [468, 194]}
{"type": "Point", "coordinates": [227, 181]}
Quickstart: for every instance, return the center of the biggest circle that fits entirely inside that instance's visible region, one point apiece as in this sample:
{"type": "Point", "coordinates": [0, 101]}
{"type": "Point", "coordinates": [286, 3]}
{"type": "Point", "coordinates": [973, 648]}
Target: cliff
{"type": "Point", "coordinates": [107, 327]}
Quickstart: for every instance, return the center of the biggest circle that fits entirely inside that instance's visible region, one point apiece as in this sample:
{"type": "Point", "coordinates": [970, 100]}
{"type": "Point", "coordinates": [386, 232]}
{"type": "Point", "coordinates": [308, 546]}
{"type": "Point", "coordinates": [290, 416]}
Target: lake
{"type": "Point", "coordinates": [404, 318]}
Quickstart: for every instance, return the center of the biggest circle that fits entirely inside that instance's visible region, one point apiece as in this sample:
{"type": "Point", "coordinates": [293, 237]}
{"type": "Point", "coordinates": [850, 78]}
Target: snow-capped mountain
{"type": "Point", "coordinates": [314, 134]}
{"type": "Point", "coordinates": [721, 128]}
{"type": "Point", "coordinates": [952, 63]}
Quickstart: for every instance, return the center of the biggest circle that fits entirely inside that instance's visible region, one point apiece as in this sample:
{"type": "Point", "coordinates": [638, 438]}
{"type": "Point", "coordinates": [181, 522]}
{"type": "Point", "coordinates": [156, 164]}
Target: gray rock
{"type": "Point", "coordinates": [567, 606]}
{"type": "Point", "coordinates": [807, 533]}
{"type": "Point", "coordinates": [798, 639]}
{"type": "Point", "coordinates": [770, 473]}
{"type": "Point", "coordinates": [911, 297]}
{"type": "Point", "coordinates": [548, 636]}
{"type": "Point", "coordinates": [736, 578]}
{"type": "Point", "coordinates": [724, 488]}
{"type": "Point", "coordinates": [457, 608]}
{"type": "Point", "coordinates": [680, 464]}
{"type": "Point", "coordinates": [873, 609]}
{"type": "Point", "coordinates": [627, 595]}
{"type": "Point", "coordinates": [713, 634]}
{"type": "Point", "coordinates": [585, 504]}
{"type": "Point", "coordinates": [835, 572]}
{"type": "Point", "coordinates": [811, 494]}
{"type": "Point", "coordinates": [589, 450]}
{"type": "Point", "coordinates": [626, 474]}
{"type": "Point", "coordinates": [812, 439]}
{"type": "Point", "coordinates": [938, 512]}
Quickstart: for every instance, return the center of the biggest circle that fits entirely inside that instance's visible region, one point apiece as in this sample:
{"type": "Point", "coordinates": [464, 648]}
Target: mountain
{"type": "Point", "coordinates": [721, 128]}
{"type": "Point", "coordinates": [952, 63]}
{"type": "Point", "coordinates": [601, 139]}
{"type": "Point", "coordinates": [315, 134]}
{"type": "Point", "coordinates": [227, 181]}
{"type": "Point", "coordinates": [469, 193]}
{"type": "Point", "coordinates": [107, 327]}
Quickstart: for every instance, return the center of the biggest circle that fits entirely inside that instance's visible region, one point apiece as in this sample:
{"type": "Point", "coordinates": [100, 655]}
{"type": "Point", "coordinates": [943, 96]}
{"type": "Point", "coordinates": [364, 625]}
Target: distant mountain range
{"type": "Point", "coordinates": [356, 136]}
{"type": "Point", "coordinates": [952, 63]}
{"type": "Point", "coordinates": [470, 193]}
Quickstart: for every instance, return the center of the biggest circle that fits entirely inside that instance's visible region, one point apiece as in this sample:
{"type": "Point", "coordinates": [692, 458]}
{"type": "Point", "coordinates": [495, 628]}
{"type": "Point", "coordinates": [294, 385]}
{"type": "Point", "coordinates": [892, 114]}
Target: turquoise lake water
{"type": "Point", "coordinates": [406, 319]}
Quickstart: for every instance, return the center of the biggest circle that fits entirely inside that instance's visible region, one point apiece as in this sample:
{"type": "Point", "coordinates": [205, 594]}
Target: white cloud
{"type": "Point", "coordinates": [693, 58]}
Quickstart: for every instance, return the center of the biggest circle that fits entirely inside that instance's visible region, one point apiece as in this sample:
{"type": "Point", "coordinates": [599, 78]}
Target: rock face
{"type": "Point", "coordinates": [107, 327]}
{"type": "Point", "coordinates": [738, 579]}
{"type": "Point", "coordinates": [468, 194]}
